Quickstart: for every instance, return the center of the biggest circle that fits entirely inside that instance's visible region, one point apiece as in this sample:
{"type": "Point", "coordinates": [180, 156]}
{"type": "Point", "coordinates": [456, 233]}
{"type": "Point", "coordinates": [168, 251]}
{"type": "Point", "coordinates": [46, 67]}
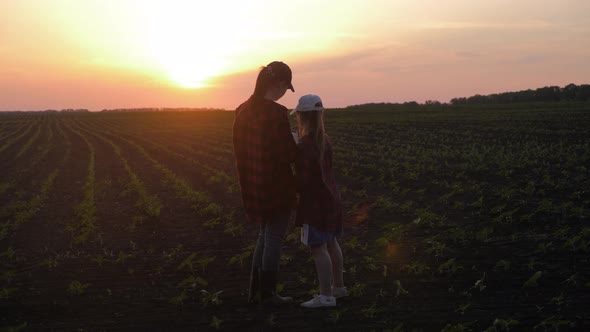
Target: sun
{"type": "Point", "coordinates": [188, 42]}
{"type": "Point", "coordinates": [188, 66]}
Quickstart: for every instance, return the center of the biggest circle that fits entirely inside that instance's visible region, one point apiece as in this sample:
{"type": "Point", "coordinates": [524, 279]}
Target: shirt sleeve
{"type": "Point", "coordinates": [302, 169]}
{"type": "Point", "coordinates": [286, 148]}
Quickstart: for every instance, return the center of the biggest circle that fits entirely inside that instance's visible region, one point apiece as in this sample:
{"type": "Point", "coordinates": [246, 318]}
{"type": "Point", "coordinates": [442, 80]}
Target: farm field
{"type": "Point", "coordinates": [457, 219]}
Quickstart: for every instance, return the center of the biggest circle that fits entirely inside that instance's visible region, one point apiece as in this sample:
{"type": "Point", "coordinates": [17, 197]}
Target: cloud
{"type": "Point", "coordinates": [467, 54]}
{"type": "Point", "coordinates": [496, 25]}
{"type": "Point", "coordinates": [530, 59]}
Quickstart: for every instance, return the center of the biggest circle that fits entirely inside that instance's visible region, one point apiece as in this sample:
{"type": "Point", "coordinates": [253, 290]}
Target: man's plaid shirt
{"type": "Point", "coordinates": [320, 204]}
{"type": "Point", "coordinates": [264, 149]}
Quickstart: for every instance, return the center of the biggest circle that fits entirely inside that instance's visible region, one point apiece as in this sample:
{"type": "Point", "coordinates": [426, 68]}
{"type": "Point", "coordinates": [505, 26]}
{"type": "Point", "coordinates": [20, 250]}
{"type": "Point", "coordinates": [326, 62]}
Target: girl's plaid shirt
{"type": "Point", "coordinates": [320, 204]}
{"type": "Point", "coordinates": [264, 150]}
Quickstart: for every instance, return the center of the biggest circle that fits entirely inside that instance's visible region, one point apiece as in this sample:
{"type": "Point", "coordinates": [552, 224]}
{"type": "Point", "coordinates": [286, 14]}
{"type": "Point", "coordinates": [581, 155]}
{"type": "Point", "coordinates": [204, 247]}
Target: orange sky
{"type": "Point", "coordinates": [99, 54]}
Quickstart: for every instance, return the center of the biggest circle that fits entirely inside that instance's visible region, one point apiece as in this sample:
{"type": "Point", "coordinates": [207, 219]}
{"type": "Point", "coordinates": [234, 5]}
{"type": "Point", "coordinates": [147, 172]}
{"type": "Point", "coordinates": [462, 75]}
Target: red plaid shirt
{"type": "Point", "coordinates": [264, 149]}
{"type": "Point", "coordinates": [320, 204]}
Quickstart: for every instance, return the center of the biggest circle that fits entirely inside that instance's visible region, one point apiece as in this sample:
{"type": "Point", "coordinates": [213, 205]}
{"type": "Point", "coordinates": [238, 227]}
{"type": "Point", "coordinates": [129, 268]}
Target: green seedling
{"type": "Point", "coordinates": [335, 315]}
{"type": "Point", "coordinates": [99, 259]}
{"type": "Point", "coordinates": [558, 300]}
{"type": "Point", "coordinates": [370, 263]}
{"type": "Point", "coordinates": [6, 293]}
{"type": "Point", "coordinates": [240, 258]}
{"type": "Point", "coordinates": [544, 248]}
{"type": "Point", "coordinates": [571, 281]}
{"type": "Point", "coordinates": [192, 282]}
{"type": "Point", "coordinates": [502, 265]}
{"type": "Point", "coordinates": [553, 324]}
{"type": "Point", "coordinates": [480, 284]}
{"type": "Point", "coordinates": [398, 328]}
{"type": "Point", "coordinates": [381, 242]}
{"type": "Point", "coordinates": [450, 267]}
{"type": "Point", "coordinates": [234, 228]}
{"type": "Point", "coordinates": [122, 257]}
{"type": "Point", "coordinates": [354, 244]}
{"type": "Point", "coordinates": [203, 261]}
{"type": "Point", "coordinates": [17, 328]}
{"type": "Point", "coordinates": [179, 299]}
{"type": "Point", "coordinates": [502, 325]}
{"type": "Point", "coordinates": [212, 223]}
{"type": "Point", "coordinates": [533, 280]}
{"type": "Point", "coordinates": [211, 210]}
{"type": "Point", "coordinates": [50, 262]}
{"type": "Point", "coordinates": [357, 290]}
{"type": "Point", "coordinates": [437, 248]}
{"type": "Point", "coordinates": [454, 328]}
{"type": "Point", "coordinates": [370, 312]}
{"type": "Point", "coordinates": [9, 253]}
{"type": "Point", "coordinates": [271, 319]}
{"type": "Point", "coordinates": [77, 288]}
{"type": "Point", "coordinates": [416, 268]}
{"type": "Point", "coordinates": [532, 264]}
{"type": "Point", "coordinates": [294, 236]}
{"type": "Point", "coordinates": [188, 262]}
{"type": "Point", "coordinates": [462, 308]}
{"type": "Point", "coordinates": [215, 322]}
{"type": "Point", "coordinates": [210, 298]}
{"type": "Point", "coordinates": [399, 289]}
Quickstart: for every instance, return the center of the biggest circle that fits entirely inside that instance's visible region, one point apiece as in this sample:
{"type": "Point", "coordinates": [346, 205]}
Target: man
{"type": "Point", "coordinates": [264, 149]}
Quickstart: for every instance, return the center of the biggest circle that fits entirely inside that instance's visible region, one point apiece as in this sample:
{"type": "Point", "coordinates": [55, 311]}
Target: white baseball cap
{"type": "Point", "coordinates": [308, 103]}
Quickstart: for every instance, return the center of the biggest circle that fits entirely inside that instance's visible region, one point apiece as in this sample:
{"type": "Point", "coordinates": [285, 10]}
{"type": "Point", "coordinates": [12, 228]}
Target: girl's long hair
{"type": "Point", "coordinates": [312, 124]}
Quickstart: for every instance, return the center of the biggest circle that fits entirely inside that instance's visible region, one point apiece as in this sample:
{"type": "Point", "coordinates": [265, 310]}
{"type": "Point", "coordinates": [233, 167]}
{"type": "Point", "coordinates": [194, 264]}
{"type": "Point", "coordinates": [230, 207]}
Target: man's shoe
{"type": "Point", "coordinates": [339, 292]}
{"type": "Point", "coordinates": [268, 294]}
{"type": "Point", "coordinates": [320, 301]}
{"type": "Point", "coordinates": [277, 300]}
{"type": "Point", "coordinates": [254, 288]}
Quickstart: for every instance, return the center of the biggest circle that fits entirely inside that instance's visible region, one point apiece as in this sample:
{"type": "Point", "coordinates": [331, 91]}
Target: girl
{"type": "Point", "coordinates": [264, 150]}
{"type": "Point", "coordinates": [320, 208]}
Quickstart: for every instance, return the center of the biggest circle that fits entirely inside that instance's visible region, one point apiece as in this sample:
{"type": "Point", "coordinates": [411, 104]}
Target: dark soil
{"type": "Point", "coordinates": [129, 275]}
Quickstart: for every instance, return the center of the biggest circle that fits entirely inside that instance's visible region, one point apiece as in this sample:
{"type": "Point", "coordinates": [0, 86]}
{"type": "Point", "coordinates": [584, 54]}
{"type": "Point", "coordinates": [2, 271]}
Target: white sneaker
{"type": "Point", "coordinates": [339, 292]}
{"type": "Point", "coordinates": [320, 301]}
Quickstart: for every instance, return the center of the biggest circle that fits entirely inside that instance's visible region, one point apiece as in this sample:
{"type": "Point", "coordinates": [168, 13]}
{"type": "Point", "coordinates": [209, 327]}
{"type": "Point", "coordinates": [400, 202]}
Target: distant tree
{"type": "Point", "coordinates": [571, 92]}
{"type": "Point", "coordinates": [583, 93]}
{"type": "Point", "coordinates": [548, 93]}
{"type": "Point", "coordinates": [459, 101]}
{"type": "Point", "coordinates": [411, 103]}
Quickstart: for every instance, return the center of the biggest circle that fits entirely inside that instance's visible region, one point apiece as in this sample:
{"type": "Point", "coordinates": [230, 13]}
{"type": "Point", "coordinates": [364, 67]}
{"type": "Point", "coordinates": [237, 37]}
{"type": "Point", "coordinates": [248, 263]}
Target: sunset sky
{"type": "Point", "coordinates": [99, 54]}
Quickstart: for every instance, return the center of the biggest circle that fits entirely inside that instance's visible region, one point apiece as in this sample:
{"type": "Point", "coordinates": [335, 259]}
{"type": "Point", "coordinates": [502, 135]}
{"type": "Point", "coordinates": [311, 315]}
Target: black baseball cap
{"type": "Point", "coordinates": [282, 72]}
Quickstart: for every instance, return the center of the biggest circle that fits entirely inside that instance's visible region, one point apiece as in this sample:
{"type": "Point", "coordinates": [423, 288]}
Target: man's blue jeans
{"type": "Point", "coordinates": [267, 254]}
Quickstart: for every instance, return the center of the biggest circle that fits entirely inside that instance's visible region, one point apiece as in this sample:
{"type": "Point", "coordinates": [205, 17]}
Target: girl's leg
{"type": "Point", "coordinates": [323, 265]}
{"type": "Point", "coordinates": [335, 253]}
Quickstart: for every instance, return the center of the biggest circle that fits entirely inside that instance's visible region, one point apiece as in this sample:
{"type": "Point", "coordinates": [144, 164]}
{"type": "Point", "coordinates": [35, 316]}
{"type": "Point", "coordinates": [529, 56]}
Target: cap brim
{"type": "Point", "coordinates": [316, 109]}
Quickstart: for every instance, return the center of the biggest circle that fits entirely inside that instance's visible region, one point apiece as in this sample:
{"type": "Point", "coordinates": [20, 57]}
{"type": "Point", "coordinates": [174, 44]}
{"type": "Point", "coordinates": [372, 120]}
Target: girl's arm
{"type": "Point", "coordinates": [302, 169]}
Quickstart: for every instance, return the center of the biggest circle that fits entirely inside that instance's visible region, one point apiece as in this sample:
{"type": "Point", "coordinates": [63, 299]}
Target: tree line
{"type": "Point", "coordinates": [570, 92]}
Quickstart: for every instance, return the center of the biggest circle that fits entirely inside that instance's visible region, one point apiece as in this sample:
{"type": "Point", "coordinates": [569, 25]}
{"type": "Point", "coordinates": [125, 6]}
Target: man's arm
{"type": "Point", "coordinates": [286, 148]}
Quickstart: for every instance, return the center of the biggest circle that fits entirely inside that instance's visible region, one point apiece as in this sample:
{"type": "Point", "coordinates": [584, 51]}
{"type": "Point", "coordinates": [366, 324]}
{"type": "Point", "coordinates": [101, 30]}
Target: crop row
{"type": "Point", "coordinates": [85, 212]}
{"type": "Point", "coordinates": [199, 201]}
{"type": "Point", "coordinates": [189, 154]}
{"type": "Point", "coordinates": [20, 211]}
{"type": "Point", "coordinates": [201, 143]}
